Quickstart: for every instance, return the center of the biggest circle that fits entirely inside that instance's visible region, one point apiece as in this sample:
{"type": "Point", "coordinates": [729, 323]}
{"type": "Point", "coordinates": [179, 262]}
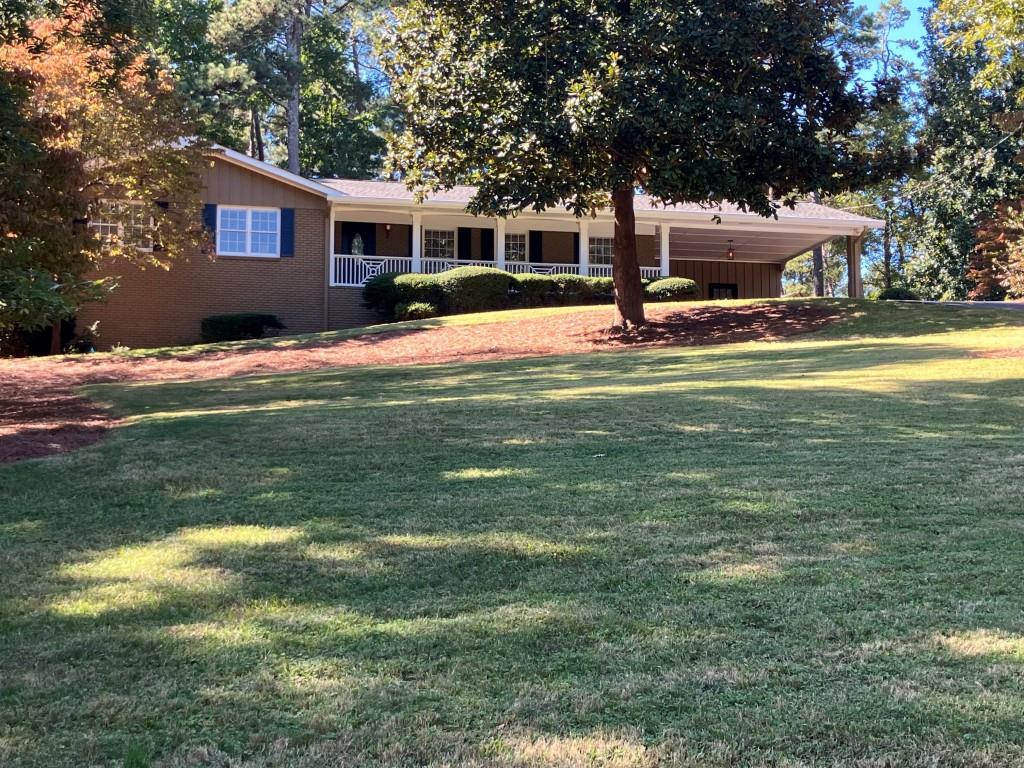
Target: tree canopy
{"type": "Point", "coordinates": [578, 104]}
{"type": "Point", "coordinates": [91, 134]}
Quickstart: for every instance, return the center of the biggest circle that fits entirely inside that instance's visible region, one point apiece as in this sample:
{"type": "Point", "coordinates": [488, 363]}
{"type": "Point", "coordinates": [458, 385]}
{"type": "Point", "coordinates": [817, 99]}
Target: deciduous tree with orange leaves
{"type": "Point", "coordinates": [97, 163]}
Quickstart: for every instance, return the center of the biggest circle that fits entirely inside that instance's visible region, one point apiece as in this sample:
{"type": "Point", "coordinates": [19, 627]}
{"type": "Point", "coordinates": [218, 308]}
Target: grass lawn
{"type": "Point", "coordinates": [798, 553]}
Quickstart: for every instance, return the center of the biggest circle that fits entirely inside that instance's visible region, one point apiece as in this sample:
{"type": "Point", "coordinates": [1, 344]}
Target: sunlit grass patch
{"type": "Point", "coordinates": [804, 553]}
{"type": "Point", "coordinates": [139, 576]}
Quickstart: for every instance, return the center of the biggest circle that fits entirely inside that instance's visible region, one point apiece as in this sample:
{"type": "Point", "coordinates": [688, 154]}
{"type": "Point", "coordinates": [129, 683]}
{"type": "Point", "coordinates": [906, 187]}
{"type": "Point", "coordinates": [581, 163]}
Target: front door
{"type": "Point", "coordinates": [358, 238]}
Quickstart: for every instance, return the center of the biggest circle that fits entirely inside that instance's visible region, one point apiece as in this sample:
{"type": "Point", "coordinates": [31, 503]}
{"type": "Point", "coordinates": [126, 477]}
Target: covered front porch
{"type": "Point", "coordinates": [366, 243]}
{"type": "Point", "coordinates": [729, 254]}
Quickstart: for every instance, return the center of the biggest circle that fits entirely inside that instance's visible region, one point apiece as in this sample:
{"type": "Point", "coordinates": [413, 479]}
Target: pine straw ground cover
{"type": "Point", "coordinates": [40, 413]}
{"type": "Point", "coordinates": [805, 552]}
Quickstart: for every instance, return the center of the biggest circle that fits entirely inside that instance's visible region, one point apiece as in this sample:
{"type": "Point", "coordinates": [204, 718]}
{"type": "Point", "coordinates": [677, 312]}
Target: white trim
{"type": "Point", "coordinates": [499, 243]}
{"type": "Point", "coordinates": [248, 253]}
{"type": "Point", "coordinates": [664, 248]}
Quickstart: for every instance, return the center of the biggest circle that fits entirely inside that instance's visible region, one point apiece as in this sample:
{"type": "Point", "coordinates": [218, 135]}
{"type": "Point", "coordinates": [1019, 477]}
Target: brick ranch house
{"type": "Point", "coordinates": [301, 249]}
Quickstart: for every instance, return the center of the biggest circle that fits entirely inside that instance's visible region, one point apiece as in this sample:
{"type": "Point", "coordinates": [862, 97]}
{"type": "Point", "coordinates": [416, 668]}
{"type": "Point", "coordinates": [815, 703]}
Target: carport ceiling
{"type": "Point", "coordinates": [713, 244]}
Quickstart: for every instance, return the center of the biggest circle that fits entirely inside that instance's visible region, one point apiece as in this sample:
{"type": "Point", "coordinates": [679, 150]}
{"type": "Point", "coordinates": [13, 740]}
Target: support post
{"type": "Point", "coordinates": [664, 230]}
{"type": "Point", "coordinates": [584, 248]}
{"type": "Point", "coordinates": [853, 280]}
{"type": "Point", "coordinates": [328, 268]}
{"type": "Point", "coordinates": [499, 243]}
{"type": "Point", "coordinates": [417, 242]}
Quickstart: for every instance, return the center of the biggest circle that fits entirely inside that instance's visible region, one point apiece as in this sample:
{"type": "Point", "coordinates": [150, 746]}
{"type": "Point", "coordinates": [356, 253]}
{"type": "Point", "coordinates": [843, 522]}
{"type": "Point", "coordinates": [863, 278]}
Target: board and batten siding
{"type": "Point", "coordinates": [228, 184]}
{"type": "Point", "coordinates": [753, 280]}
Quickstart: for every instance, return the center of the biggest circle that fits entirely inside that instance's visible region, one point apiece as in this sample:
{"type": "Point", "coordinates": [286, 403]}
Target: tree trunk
{"type": "Point", "coordinates": [818, 261]}
{"type": "Point", "coordinates": [629, 292]}
{"type": "Point", "coordinates": [818, 270]}
{"type": "Point", "coordinates": [255, 134]}
{"type": "Point", "coordinates": [887, 253]}
{"type": "Point", "coordinates": [295, 31]}
{"type": "Point", "coordinates": [55, 338]}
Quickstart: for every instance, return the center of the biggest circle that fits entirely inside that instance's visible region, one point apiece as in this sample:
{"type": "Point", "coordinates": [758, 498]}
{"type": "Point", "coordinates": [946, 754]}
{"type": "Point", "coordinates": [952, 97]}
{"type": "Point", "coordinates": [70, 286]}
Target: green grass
{"type": "Point", "coordinates": [801, 553]}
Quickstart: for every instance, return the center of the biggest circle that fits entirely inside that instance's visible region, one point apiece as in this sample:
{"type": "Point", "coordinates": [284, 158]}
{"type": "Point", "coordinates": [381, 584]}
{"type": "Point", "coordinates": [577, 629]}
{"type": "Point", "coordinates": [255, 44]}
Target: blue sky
{"type": "Point", "coordinates": [914, 28]}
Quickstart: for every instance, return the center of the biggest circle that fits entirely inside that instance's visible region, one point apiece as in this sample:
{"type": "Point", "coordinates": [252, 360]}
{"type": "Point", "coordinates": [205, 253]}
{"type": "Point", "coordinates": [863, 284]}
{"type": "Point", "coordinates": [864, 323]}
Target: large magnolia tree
{"type": "Point", "coordinates": [580, 103]}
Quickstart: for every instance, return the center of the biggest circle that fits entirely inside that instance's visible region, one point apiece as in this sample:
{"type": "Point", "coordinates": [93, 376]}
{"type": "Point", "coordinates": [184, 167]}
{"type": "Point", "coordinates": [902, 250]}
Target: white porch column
{"type": "Point", "coordinates": [666, 268]}
{"type": "Point", "coordinates": [584, 254]}
{"type": "Point", "coordinates": [417, 242]}
{"type": "Point", "coordinates": [499, 243]}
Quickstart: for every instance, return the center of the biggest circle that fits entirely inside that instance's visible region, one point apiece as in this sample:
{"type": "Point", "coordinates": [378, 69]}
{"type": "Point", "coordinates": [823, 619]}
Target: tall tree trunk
{"type": "Point", "coordinates": [295, 32]}
{"type": "Point", "coordinates": [55, 338]}
{"type": "Point", "coordinates": [887, 252]}
{"type": "Point", "coordinates": [818, 270]}
{"type": "Point", "coordinates": [818, 261]}
{"type": "Point", "coordinates": [255, 134]}
{"type": "Point", "coordinates": [629, 292]}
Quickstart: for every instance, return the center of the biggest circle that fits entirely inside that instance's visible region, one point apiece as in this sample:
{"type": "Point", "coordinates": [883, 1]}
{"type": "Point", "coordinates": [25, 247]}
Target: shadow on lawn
{"type": "Point", "coordinates": [527, 559]}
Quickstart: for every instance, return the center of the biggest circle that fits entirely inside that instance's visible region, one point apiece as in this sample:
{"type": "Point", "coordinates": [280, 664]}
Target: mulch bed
{"type": "Point", "coordinates": [40, 415]}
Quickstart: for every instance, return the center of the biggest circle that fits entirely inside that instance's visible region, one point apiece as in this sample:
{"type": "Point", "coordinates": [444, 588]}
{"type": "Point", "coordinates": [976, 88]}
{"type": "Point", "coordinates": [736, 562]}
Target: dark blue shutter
{"type": "Point", "coordinates": [536, 245]}
{"type": "Point", "coordinates": [287, 231]}
{"type": "Point", "coordinates": [575, 247]}
{"type": "Point", "coordinates": [163, 205]}
{"type": "Point", "coordinates": [210, 224]}
{"type": "Point", "coordinates": [210, 218]}
{"type": "Point", "coordinates": [487, 244]}
{"type": "Point", "coordinates": [465, 250]}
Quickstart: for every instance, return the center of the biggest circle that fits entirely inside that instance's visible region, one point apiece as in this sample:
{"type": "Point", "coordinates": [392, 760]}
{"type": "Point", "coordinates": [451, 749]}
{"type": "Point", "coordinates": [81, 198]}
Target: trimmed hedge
{"type": "Point", "coordinates": [897, 294]}
{"type": "Point", "coordinates": [535, 290]}
{"type": "Point", "coordinates": [478, 289]}
{"type": "Point", "coordinates": [238, 326]}
{"type": "Point", "coordinates": [672, 289]}
{"type": "Point", "coordinates": [386, 291]}
{"type": "Point", "coordinates": [416, 310]}
{"type": "Point", "coordinates": [474, 289]}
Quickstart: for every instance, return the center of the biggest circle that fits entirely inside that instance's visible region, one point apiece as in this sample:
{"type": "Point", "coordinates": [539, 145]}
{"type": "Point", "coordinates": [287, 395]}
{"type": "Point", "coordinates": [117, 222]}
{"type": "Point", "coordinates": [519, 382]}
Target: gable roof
{"type": "Point", "coordinates": [396, 193]}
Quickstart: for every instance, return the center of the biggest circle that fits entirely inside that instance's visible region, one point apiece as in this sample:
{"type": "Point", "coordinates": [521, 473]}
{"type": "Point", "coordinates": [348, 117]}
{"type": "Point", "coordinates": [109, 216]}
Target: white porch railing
{"type": "Point", "coordinates": [353, 271]}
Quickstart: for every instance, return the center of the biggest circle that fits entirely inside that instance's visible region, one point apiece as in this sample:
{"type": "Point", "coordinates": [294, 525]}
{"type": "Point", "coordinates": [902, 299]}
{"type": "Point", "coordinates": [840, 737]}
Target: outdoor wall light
{"type": "Point", "coordinates": [731, 253]}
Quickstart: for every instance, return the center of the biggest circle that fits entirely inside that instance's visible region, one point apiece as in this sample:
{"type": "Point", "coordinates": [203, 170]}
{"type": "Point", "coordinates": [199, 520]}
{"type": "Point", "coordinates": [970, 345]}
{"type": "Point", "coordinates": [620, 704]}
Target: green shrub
{"type": "Point", "coordinates": [896, 293]}
{"type": "Point", "coordinates": [379, 292]}
{"type": "Point", "coordinates": [474, 289]}
{"type": "Point", "coordinates": [535, 290]}
{"type": "Point", "coordinates": [386, 291]}
{"type": "Point", "coordinates": [600, 288]}
{"type": "Point", "coordinates": [572, 288]}
{"type": "Point", "coordinates": [238, 326]}
{"type": "Point", "coordinates": [672, 289]}
{"type": "Point", "coordinates": [416, 310]}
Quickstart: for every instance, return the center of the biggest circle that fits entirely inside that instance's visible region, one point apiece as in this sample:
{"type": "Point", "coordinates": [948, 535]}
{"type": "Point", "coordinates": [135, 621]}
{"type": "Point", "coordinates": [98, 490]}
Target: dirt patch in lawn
{"type": "Point", "coordinates": [1000, 353]}
{"type": "Point", "coordinates": [41, 415]}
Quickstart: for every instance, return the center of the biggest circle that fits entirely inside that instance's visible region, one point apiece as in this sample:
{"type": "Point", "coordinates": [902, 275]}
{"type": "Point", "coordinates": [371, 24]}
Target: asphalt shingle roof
{"type": "Point", "coordinates": [395, 190]}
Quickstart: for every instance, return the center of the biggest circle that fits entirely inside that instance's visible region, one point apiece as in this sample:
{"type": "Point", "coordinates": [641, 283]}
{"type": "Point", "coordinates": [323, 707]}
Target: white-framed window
{"type": "Point", "coordinates": [127, 223]}
{"type": "Point", "coordinates": [248, 231]}
{"type": "Point", "coordinates": [439, 243]}
{"type": "Point", "coordinates": [602, 249]}
{"type": "Point", "coordinates": [515, 247]}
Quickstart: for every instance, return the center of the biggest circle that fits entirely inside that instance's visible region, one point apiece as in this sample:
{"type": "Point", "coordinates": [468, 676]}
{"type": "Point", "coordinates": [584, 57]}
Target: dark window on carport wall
{"type": "Point", "coordinates": [723, 291]}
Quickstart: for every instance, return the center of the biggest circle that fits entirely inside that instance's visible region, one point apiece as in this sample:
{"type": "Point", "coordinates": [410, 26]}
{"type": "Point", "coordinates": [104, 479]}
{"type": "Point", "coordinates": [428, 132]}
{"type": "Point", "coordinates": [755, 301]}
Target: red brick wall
{"type": "Point", "coordinates": [155, 307]}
